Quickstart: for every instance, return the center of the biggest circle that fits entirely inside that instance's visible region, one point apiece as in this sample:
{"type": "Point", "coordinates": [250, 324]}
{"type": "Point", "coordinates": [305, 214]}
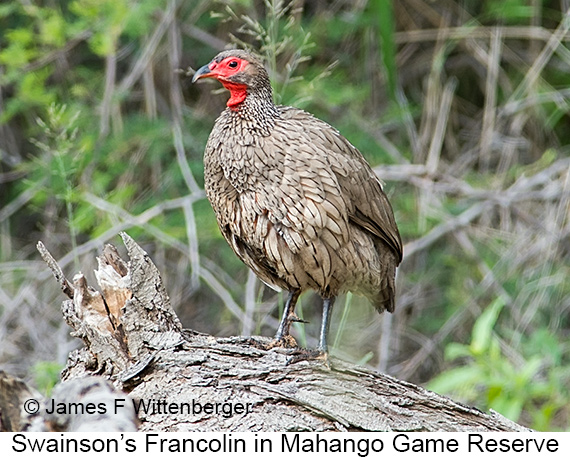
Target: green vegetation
{"type": "Point", "coordinates": [46, 376]}
{"type": "Point", "coordinates": [461, 107]}
{"type": "Point", "coordinates": [488, 377]}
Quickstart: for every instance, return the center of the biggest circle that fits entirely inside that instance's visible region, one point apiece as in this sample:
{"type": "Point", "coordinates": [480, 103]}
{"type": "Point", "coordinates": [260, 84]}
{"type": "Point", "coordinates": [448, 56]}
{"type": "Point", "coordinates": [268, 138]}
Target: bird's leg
{"type": "Point", "coordinates": [289, 315]}
{"type": "Point", "coordinates": [282, 337]}
{"type": "Point", "coordinates": [325, 324]}
{"type": "Point", "coordinates": [322, 351]}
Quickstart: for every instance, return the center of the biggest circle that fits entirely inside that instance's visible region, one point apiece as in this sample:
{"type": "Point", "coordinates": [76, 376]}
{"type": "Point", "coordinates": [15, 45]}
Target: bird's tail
{"type": "Point", "coordinates": [385, 298]}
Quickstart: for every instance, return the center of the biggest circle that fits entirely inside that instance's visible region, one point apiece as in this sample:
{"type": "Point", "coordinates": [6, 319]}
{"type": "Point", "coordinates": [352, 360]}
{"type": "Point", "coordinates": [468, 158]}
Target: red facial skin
{"type": "Point", "coordinates": [223, 70]}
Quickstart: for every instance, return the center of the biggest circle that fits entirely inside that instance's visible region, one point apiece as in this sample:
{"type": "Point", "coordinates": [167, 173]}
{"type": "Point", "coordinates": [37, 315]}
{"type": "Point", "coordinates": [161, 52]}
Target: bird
{"type": "Point", "coordinates": [294, 199]}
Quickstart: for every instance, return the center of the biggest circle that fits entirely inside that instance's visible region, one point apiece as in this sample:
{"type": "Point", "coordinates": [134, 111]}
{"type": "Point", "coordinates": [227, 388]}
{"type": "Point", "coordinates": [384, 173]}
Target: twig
{"type": "Point", "coordinates": [203, 36]}
{"type": "Point", "coordinates": [130, 221]}
{"type": "Point", "coordinates": [151, 45]}
{"type": "Point", "coordinates": [56, 270]}
{"type": "Point", "coordinates": [21, 200]}
{"type": "Point", "coordinates": [223, 293]}
{"type": "Point", "coordinates": [535, 70]}
{"type": "Point", "coordinates": [476, 31]}
{"type": "Point", "coordinates": [248, 322]}
{"type": "Point", "coordinates": [489, 110]}
{"type": "Point", "coordinates": [436, 144]}
{"type": "Point", "coordinates": [54, 55]}
{"type": "Point", "coordinates": [108, 91]}
{"type": "Point", "coordinates": [465, 218]}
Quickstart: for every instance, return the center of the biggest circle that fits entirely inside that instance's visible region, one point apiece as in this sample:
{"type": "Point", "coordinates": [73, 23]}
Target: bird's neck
{"type": "Point", "coordinates": [256, 108]}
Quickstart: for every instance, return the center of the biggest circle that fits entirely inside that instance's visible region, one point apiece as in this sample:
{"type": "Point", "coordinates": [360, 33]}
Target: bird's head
{"type": "Point", "coordinates": [239, 72]}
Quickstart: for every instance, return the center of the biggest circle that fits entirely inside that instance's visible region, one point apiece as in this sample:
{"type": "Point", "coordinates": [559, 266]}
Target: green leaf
{"type": "Point", "coordinates": [483, 328]}
{"type": "Point", "coordinates": [545, 343]}
{"type": "Point", "coordinates": [508, 406]}
{"type": "Point", "coordinates": [530, 369]}
{"type": "Point", "coordinates": [456, 350]}
{"type": "Point", "coordinates": [46, 375]}
{"type": "Point", "coordinates": [455, 378]}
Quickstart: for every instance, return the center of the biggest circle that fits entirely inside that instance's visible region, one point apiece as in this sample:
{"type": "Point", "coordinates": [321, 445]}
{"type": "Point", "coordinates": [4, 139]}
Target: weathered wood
{"type": "Point", "coordinates": [306, 396]}
{"type": "Point", "coordinates": [180, 380]}
{"type": "Point", "coordinates": [14, 393]}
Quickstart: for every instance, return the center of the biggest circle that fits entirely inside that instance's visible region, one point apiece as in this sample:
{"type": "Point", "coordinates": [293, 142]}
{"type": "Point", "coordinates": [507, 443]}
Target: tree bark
{"type": "Point", "coordinates": [181, 380]}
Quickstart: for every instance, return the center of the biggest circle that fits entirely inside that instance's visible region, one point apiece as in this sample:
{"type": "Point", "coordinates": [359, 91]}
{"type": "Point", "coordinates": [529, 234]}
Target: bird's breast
{"type": "Point", "coordinates": [245, 160]}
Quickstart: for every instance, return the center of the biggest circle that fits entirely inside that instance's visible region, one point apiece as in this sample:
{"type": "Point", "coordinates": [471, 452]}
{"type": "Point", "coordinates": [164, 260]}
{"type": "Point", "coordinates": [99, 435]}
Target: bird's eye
{"type": "Point", "coordinates": [233, 64]}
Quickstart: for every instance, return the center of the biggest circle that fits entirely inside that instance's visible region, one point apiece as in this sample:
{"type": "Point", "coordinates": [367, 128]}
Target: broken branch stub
{"type": "Point", "coordinates": [123, 323]}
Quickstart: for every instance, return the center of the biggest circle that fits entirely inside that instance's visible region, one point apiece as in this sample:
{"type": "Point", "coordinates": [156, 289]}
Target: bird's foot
{"type": "Point", "coordinates": [310, 354]}
{"type": "Point", "coordinates": [285, 341]}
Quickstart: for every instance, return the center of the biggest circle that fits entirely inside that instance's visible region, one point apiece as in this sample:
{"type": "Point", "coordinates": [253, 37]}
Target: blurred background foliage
{"type": "Point", "coordinates": [461, 106]}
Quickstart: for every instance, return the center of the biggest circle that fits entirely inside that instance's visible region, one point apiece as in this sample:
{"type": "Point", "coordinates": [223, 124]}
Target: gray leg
{"type": "Point", "coordinates": [325, 324]}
